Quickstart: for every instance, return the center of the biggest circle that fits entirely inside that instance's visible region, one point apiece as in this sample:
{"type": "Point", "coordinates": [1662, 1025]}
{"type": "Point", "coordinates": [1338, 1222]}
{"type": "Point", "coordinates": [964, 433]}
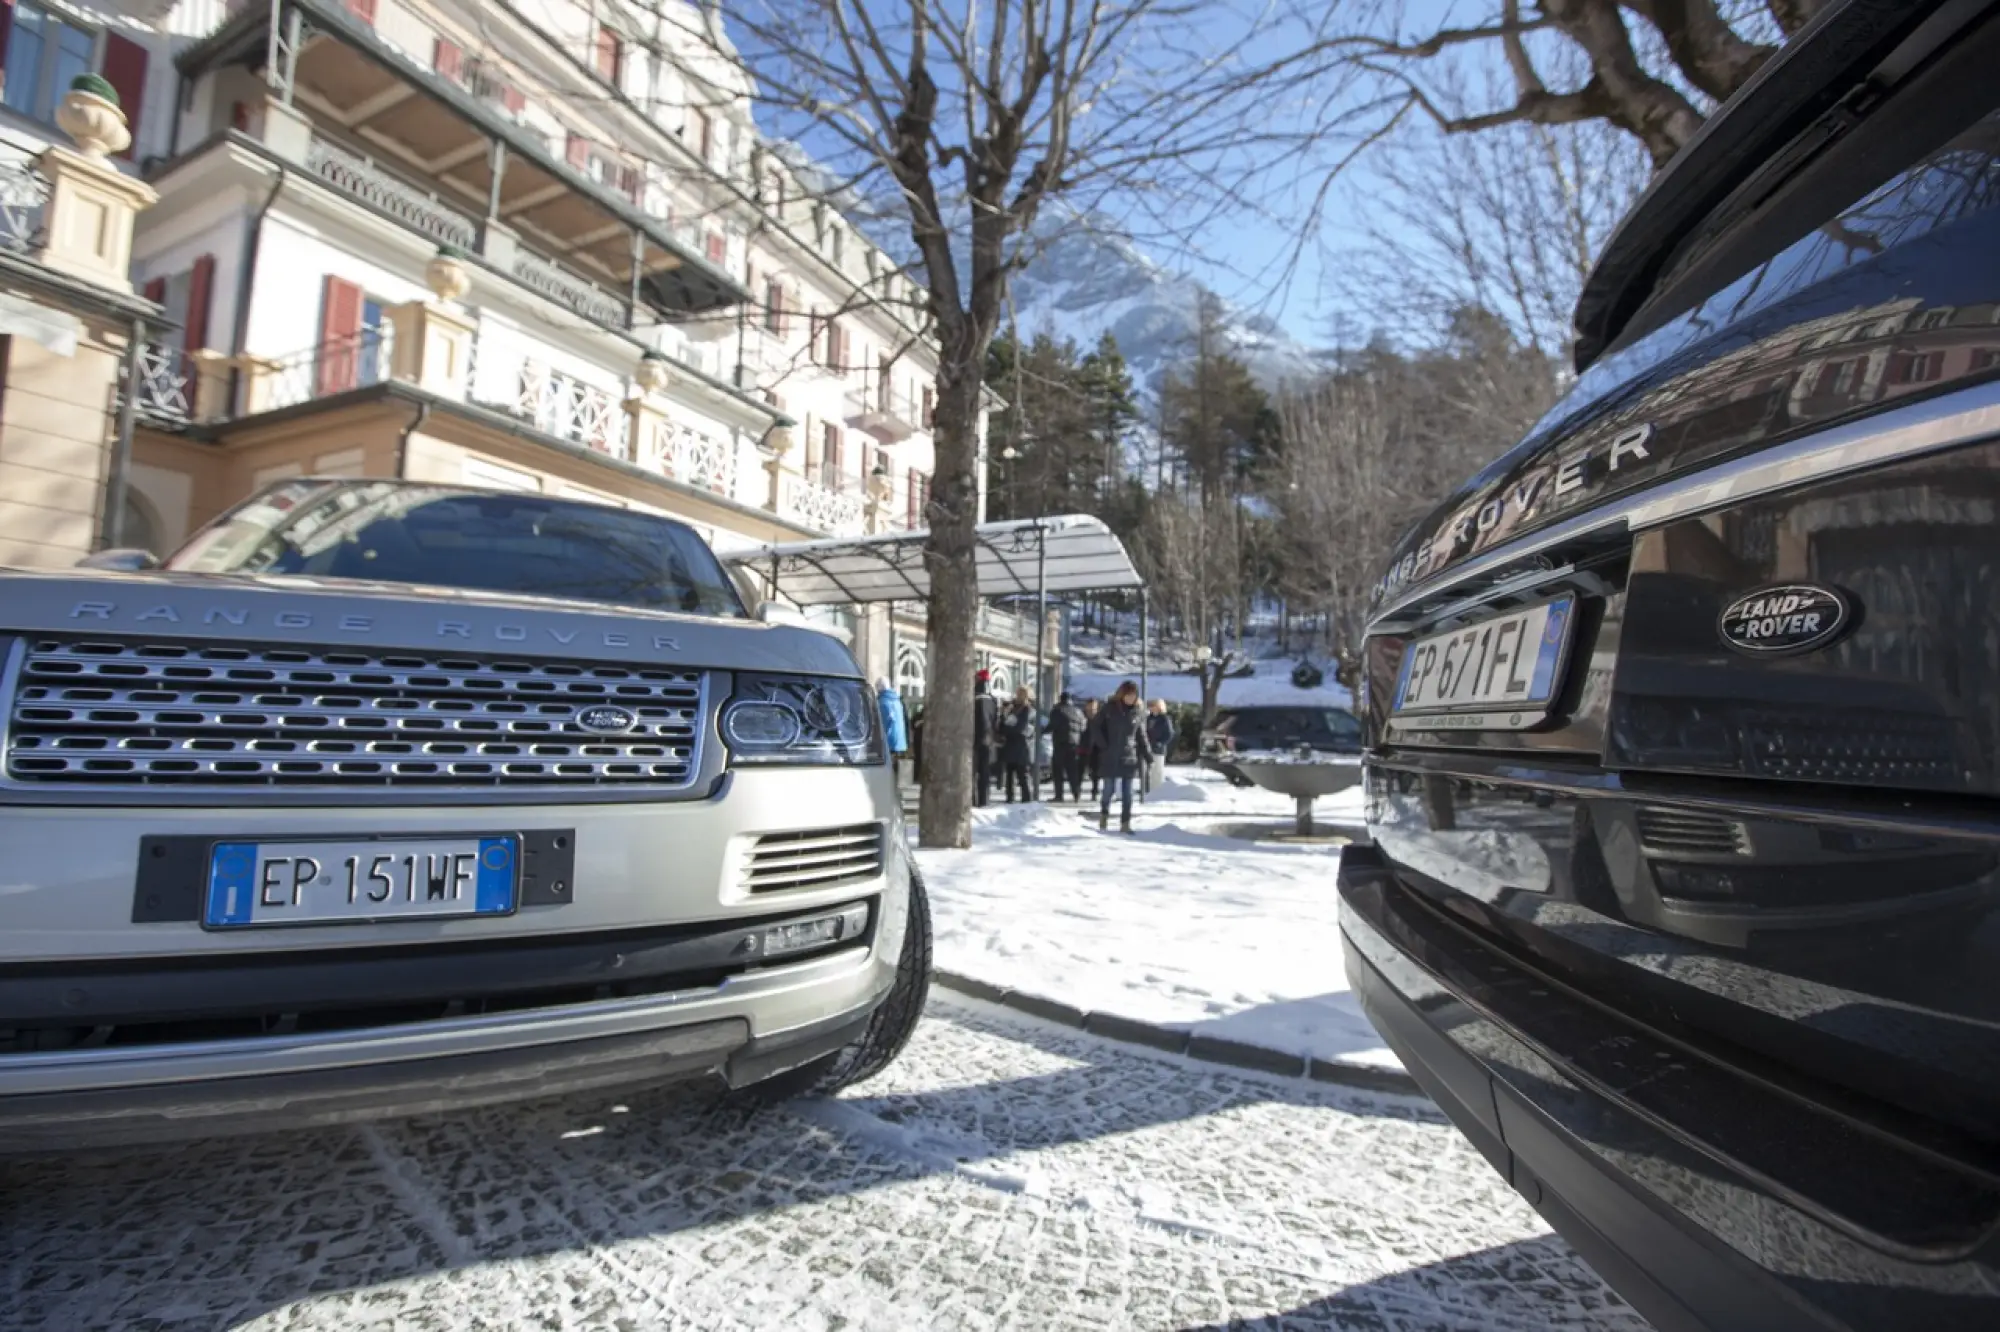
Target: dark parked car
{"type": "Point", "coordinates": [1290, 730]}
{"type": "Point", "coordinates": [1684, 723]}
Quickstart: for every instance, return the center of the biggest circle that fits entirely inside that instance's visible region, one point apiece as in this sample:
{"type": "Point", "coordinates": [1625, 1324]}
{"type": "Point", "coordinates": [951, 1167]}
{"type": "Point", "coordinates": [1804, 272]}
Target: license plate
{"type": "Point", "coordinates": [1496, 675]}
{"type": "Point", "coordinates": [358, 880]}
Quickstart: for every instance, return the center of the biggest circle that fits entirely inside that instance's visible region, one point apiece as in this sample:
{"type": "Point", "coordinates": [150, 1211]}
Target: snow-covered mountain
{"type": "Point", "coordinates": [1082, 282]}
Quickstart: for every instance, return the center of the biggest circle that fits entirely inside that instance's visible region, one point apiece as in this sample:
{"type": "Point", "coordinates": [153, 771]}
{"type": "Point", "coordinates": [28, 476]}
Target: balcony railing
{"type": "Point", "coordinates": [24, 195]}
{"type": "Point", "coordinates": [335, 366]}
{"type": "Point", "coordinates": [420, 210]}
{"type": "Point", "coordinates": [166, 390]}
{"type": "Point", "coordinates": [810, 504]}
{"type": "Point", "coordinates": [571, 409]}
{"type": "Point", "coordinates": [692, 457]}
{"type": "Point", "coordinates": [889, 416]}
{"type": "Point", "coordinates": [579, 294]}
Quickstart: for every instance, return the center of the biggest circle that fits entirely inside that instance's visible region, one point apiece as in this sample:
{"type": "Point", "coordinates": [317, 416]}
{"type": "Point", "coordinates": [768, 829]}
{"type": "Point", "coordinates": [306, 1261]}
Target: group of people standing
{"type": "Point", "coordinates": [1117, 742]}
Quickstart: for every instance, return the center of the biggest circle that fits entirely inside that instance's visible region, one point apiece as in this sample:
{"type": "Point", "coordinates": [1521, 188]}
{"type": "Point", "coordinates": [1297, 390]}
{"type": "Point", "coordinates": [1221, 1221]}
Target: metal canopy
{"type": "Point", "coordinates": [1027, 557]}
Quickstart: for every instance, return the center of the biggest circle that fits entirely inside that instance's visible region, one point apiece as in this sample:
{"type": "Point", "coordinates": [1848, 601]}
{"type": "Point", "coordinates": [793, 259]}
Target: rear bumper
{"type": "Point", "coordinates": [1565, 1102]}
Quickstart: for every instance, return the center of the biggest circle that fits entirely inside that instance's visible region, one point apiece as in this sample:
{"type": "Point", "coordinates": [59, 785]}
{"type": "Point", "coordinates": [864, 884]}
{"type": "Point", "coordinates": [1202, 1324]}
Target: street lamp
{"type": "Point", "coordinates": [1202, 653]}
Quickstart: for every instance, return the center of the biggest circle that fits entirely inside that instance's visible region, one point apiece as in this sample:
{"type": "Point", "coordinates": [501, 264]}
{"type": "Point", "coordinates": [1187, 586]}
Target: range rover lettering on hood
{"type": "Point", "coordinates": [1566, 481]}
{"type": "Point", "coordinates": [348, 623]}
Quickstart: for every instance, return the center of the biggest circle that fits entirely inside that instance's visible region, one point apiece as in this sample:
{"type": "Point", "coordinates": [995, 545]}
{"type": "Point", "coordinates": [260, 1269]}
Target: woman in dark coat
{"type": "Point", "coordinates": [1122, 751]}
{"type": "Point", "coordinates": [1019, 729]}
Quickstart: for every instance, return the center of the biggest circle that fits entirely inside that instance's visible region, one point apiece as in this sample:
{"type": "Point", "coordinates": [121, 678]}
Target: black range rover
{"type": "Point", "coordinates": [1684, 723]}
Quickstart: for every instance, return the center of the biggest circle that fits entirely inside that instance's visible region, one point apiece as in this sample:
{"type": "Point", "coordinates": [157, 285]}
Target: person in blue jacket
{"type": "Point", "coordinates": [895, 725]}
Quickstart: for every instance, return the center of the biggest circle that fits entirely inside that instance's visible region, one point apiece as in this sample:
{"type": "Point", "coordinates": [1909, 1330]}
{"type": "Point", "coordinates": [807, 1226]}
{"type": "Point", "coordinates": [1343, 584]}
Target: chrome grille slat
{"type": "Point", "coordinates": [134, 713]}
{"type": "Point", "coordinates": [816, 858]}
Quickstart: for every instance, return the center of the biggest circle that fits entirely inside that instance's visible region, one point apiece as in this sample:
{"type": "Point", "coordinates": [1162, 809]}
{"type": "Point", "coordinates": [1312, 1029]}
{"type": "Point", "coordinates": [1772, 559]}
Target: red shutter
{"type": "Point", "coordinates": [156, 290]}
{"type": "Point", "coordinates": [910, 495]}
{"type": "Point", "coordinates": [239, 116]}
{"type": "Point", "coordinates": [835, 463]}
{"type": "Point", "coordinates": [6, 28]}
{"type": "Point", "coordinates": [339, 334]}
{"type": "Point", "coordinates": [576, 149]}
{"type": "Point", "coordinates": [125, 70]}
{"type": "Point", "coordinates": [448, 60]}
{"type": "Point", "coordinates": [513, 99]}
{"type": "Point", "coordinates": [363, 10]}
{"type": "Point", "coordinates": [704, 134]}
{"type": "Point", "coordinates": [930, 407]}
{"type": "Point", "coordinates": [629, 183]}
{"type": "Point", "coordinates": [609, 54]}
{"type": "Point", "coordinates": [201, 288]}
{"type": "Point", "coordinates": [718, 248]}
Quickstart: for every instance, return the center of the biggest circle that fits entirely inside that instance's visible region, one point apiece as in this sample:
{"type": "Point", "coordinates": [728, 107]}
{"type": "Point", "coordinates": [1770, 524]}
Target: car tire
{"type": "Point", "coordinates": [889, 1027]}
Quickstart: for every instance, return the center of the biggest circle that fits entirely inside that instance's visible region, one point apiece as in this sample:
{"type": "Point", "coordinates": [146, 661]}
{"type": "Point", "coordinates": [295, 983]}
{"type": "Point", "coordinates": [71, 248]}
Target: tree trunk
{"type": "Point", "coordinates": [944, 816]}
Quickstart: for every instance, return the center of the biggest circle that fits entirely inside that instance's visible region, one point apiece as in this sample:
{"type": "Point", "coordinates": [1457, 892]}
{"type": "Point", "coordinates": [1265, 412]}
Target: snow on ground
{"type": "Point", "coordinates": [1002, 1174]}
{"type": "Point", "coordinates": [1178, 924]}
{"type": "Point", "coordinates": [1271, 685]}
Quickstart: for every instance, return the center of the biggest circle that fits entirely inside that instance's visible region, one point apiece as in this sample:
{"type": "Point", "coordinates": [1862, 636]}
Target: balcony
{"type": "Point", "coordinates": [880, 411]}
{"type": "Point", "coordinates": [24, 195]}
{"type": "Point", "coordinates": [690, 456]}
{"type": "Point", "coordinates": [423, 111]}
{"type": "Point", "coordinates": [810, 504]}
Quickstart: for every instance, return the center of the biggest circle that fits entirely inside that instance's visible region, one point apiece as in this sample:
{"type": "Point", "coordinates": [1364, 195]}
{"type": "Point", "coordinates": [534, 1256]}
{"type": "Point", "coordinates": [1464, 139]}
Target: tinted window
{"type": "Point", "coordinates": [443, 537]}
{"type": "Point", "coordinates": [1254, 727]}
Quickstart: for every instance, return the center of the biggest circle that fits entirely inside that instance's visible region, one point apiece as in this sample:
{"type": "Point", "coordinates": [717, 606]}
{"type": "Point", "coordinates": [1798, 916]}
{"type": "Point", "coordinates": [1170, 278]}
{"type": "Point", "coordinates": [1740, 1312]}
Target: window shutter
{"type": "Point", "coordinates": [513, 99]}
{"type": "Point", "coordinates": [718, 247]}
{"type": "Point", "coordinates": [155, 290]}
{"type": "Point", "coordinates": [125, 70]}
{"type": "Point", "coordinates": [201, 288]}
{"type": "Point", "coordinates": [448, 60]}
{"type": "Point", "coordinates": [339, 332]}
{"type": "Point", "coordinates": [608, 54]}
{"type": "Point", "coordinates": [629, 183]}
{"type": "Point", "coordinates": [836, 463]}
{"type": "Point", "coordinates": [6, 28]}
{"type": "Point", "coordinates": [576, 149]}
{"type": "Point", "coordinates": [910, 495]}
{"type": "Point", "coordinates": [363, 10]}
{"type": "Point", "coordinates": [930, 407]}
{"type": "Point", "coordinates": [812, 450]}
{"type": "Point", "coordinates": [239, 116]}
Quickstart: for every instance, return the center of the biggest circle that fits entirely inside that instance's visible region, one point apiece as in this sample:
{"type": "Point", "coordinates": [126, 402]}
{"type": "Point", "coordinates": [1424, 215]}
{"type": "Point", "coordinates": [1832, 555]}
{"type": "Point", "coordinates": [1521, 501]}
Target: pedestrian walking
{"type": "Point", "coordinates": [895, 726]}
{"type": "Point", "coordinates": [1018, 731]}
{"type": "Point", "coordinates": [1067, 725]}
{"type": "Point", "coordinates": [1086, 750]}
{"type": "Point", "coordinates": [1122, 752]}
{"type": "Point", "coordinates": [1160, 735]}
{"type": "Point", "coordinates": [985, 738]}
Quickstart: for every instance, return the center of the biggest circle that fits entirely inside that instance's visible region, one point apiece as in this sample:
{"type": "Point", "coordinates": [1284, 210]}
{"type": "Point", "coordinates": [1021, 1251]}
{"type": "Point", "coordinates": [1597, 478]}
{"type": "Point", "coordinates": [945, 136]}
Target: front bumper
{"type": "Point", "coordinates": [116, 1027]}
{"type": "Point", "coordinates": [1703, 1196]}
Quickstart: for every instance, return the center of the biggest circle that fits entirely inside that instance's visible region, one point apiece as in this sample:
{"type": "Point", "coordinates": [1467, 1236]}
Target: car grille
{"type": "Point", "coordinates": [819, 858]}
{"type": "Point", "coordinates": [1690, 831]}
{"type": "Point", "coordinates": [156, 714]}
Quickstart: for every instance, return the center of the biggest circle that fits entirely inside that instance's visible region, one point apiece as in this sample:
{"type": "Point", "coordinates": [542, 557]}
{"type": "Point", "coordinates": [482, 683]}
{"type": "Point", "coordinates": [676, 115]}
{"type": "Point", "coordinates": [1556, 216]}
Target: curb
{"type": "Point", "coordinates": [1173, 1040]}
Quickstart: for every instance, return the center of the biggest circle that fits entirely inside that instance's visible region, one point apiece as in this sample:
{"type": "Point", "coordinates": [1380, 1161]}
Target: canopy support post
{"type": "Point", "coordinates": [1041, 617]}
{"type": "Point", "coordinates": [1145, 602]}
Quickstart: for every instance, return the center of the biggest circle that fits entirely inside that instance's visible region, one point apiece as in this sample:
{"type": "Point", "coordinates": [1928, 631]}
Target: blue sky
{"type": "Point", "coordinates": [1250, 254]}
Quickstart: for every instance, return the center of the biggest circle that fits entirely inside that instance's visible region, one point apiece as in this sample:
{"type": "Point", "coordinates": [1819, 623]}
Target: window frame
{"type": "Point", "coordinates": [94, 62]}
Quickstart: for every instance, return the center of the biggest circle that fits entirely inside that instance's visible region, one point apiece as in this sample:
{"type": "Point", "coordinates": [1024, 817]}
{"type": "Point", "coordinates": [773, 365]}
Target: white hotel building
{"type": "Point", "coordinates": [523, 243]}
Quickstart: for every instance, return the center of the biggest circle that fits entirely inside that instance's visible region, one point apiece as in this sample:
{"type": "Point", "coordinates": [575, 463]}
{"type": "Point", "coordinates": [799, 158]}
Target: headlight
{"type": "Point", "coordinates": [798, 719]}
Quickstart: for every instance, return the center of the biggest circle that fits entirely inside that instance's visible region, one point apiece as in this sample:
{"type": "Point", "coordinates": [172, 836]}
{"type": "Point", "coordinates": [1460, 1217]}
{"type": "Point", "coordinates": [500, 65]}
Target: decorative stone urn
{"type": "Point", "coordinates": [880, 487]}
{"type": "Point", "coordinates": [652, 375]}
{"type": "Point", "coordinates": [447, 275]}
{"type": "Point", "coordinates": [780, 442]}
{"type": "Point", "coordinates": [89, 113]}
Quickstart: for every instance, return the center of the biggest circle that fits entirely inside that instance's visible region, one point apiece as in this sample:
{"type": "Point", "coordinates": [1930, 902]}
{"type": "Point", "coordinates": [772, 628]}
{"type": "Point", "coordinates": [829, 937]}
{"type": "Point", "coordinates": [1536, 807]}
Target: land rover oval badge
{"type": "Point", "coordinates": [606, 720]}
{"type": "Point", "coordinates": [1787, 618]}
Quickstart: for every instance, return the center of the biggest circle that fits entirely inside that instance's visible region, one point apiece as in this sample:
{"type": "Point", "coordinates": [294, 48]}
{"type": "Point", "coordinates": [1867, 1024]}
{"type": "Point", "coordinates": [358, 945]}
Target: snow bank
{"type": "Point", "coordinates": [1179, 924]}
{"type": "Point", "coordinates": [1271, 685]}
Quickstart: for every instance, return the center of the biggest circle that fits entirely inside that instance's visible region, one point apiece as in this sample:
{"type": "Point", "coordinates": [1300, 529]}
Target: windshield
{"type": "Point", "coordinates": [1280, 726]}
{"type": "Point", "coordinates": [441, 536]}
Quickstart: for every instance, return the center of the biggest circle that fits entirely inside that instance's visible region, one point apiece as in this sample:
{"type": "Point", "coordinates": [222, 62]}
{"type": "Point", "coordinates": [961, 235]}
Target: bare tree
{"type": "Point", "coordinates": [1653, 69]}
{"type": "Point", "coordinates": [967, 123]}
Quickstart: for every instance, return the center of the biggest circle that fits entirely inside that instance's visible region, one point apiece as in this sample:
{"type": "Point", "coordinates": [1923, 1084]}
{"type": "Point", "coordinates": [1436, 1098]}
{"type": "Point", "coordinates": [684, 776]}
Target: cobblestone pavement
{"type": "Point", "coordinates": [1004, 1174]}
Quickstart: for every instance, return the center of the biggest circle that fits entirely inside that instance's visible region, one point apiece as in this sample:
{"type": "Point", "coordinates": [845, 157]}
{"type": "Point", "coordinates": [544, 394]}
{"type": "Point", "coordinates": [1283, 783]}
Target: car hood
{"type": "Point", "coordinates": [375, 616]}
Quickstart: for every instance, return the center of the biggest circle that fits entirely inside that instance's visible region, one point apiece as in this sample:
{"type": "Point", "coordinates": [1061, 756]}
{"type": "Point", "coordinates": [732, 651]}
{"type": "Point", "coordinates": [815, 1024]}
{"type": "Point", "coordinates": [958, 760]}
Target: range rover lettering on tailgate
{"type": "Point", "coordinates": [380, 797]}
{"type": "Point", "coordinates": [1683, 723]}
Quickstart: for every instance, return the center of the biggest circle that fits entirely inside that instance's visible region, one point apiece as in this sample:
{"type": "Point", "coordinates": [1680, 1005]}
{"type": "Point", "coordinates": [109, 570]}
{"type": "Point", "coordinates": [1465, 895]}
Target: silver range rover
{"type": "Point", "coordinates": [381, 798]}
